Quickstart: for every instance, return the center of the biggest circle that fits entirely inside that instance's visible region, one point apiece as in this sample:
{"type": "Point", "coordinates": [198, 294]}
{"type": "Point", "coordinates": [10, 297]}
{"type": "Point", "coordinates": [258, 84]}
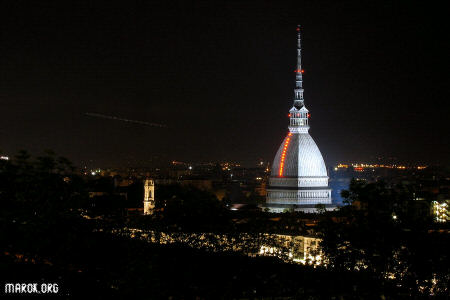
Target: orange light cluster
{"type": "Point", "coordinates": [361, 167]}
{"type": "Point", "coordinates": [342, 166]}
{"type": "Point", "coordinates": [283, 154]}
{"type": "Point", "coordinates": [299, 71]}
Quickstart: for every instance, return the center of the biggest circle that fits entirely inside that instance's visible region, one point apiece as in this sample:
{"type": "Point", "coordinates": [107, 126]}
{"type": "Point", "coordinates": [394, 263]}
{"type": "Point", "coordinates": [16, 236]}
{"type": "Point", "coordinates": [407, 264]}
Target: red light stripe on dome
{"type": "Point", "coordinates": [283, 154]}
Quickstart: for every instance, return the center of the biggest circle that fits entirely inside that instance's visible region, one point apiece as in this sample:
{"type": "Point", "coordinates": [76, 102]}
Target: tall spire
{"type": "Point", "coordinates": [299, 49]}
{"type": "Point", "coordinates": [298, 92]}
{"type": "Point", "coordinates": [298, 114]}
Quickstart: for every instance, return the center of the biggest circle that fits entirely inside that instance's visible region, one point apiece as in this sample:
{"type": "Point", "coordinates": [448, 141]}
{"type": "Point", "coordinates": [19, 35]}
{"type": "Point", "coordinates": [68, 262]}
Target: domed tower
{"type": "Point", "coordinates": [299, 179]}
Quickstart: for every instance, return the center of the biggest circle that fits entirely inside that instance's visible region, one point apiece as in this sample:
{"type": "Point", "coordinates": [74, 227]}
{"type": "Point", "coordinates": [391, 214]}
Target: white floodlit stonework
{"type": "Point", "coordinates": [299, 179]}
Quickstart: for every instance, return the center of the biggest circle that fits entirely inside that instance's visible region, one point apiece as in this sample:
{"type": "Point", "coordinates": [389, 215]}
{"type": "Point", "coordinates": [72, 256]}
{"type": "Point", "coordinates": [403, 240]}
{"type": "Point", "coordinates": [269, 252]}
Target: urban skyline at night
{"type": "Point", "coordinates": [220, 150]}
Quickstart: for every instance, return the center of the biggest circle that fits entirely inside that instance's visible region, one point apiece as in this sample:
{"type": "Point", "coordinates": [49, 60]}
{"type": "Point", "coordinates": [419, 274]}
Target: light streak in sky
{"type": "Point", "coordinates": [95, 115]}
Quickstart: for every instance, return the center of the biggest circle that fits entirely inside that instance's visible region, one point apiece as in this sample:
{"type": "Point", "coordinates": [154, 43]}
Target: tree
{"type": "Point", "coordinates": [45, 184]}
{"type": "Point", "coordinates": [321, 209]}
{"type": "Point", "coordinates": [378, 232]}
{"type": "Point", "coordinates": [188, 208]}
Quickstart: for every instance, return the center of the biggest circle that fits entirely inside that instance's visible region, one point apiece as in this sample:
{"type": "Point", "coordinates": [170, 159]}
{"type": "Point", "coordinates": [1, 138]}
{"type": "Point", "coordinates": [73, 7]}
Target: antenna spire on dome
{"type": "Point", "coordinates": [298, 114]}
{"type": "Point", "coordinates": [299, 51]}
{"type": "Point", "coordinates": [298, 92]}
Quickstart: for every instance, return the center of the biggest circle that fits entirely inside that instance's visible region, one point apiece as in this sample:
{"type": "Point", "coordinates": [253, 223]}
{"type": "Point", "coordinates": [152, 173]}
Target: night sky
{"type": "Point", "coordinates": [221, 77]}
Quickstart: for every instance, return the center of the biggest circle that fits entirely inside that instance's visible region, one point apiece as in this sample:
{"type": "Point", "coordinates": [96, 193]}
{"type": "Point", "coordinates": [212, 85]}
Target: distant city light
{"type": "Point", "coordinates": [440, 211]}
{"type": "Point", "coordinates": [227, 165]}
{"type": "Point", "coordinates": [93, 173]}
{"type": "Point", "coordinates": [4, 157]}
{"type": "Point", "coordinates": [360, 167]}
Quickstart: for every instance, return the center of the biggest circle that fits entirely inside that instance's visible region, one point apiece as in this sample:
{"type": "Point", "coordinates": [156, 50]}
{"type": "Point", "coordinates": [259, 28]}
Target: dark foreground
{"type": "Point", "coordinates": [109, 266]}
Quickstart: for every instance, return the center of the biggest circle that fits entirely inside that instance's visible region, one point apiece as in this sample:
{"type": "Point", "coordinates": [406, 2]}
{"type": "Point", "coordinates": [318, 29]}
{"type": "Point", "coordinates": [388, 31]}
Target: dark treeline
{"type": "Point", "coordinates": [383, 230]}
{"type": "Point", "coordinates": [187, 209]}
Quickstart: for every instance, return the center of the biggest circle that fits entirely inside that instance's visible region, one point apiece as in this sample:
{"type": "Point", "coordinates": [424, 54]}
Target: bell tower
{"type": "Point", "coordinates": [149, 196]}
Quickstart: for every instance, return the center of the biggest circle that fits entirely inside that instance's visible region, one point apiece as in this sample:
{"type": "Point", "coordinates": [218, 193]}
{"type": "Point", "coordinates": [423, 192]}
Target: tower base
{"type": "Point", "coordinates": [306, 208]}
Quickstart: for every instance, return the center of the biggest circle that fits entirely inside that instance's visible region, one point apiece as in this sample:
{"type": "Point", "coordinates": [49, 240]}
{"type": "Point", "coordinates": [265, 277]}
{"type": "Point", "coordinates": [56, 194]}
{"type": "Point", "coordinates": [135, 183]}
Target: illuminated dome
{"type": "Point", "coordinates": [302, 158]}
{"type": "Point", "coordinates": [299, 179]}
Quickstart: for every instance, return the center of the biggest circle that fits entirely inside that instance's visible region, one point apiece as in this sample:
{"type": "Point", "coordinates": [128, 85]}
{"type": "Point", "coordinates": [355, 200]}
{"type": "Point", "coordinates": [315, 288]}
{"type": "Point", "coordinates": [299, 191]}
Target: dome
{"type": "Point", "coordinates": [302, 158]}
{"type": "Point", "coordinates": [299, 179]}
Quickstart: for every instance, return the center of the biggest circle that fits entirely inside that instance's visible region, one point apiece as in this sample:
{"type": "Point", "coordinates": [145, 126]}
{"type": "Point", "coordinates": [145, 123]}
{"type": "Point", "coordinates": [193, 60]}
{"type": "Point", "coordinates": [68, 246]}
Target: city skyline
{"type": "Point", "coordinates": [220, 78]}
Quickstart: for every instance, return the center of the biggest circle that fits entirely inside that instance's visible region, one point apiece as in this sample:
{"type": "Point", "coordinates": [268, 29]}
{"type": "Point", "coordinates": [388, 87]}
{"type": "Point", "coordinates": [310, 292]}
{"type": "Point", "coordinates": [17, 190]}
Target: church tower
{"type": "Point", "coordinates": [298, 179]}
{"type": "Point", "coordinates": [149, 196]}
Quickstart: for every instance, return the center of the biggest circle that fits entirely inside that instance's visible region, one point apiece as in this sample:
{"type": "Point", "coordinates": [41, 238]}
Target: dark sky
{"type": "Point", "coordinates": [221, 77]}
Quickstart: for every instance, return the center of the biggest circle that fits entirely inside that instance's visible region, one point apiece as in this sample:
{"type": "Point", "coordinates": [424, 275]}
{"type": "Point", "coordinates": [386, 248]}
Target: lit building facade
{"type": "Point", "coordinates": [299, 179]}
{"type": "Point", "coordinates": [440, 211]}
{"type": "Point", "coordinates": [149, 196]}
